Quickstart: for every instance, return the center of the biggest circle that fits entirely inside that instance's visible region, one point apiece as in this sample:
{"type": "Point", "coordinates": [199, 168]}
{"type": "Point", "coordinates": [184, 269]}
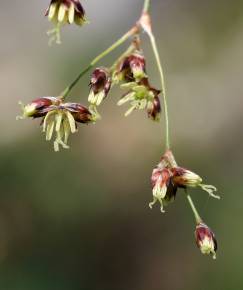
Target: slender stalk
{"type": "Point", "coordinates": [146, 6]}
{"type": "Point", "coordinates": [193, 207]}
{"type": "Point", "coordinates": [119, 42]}
{"type": "Point", "coordinates": [158, 61]}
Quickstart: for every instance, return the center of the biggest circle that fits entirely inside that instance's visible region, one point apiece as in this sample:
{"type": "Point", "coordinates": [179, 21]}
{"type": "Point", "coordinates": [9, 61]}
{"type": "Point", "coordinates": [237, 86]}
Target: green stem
{"type": "Point", "coordinates": [146, 6]}
{"type": "Point", "coordinates": [166, 113]}
{"type": "Point", "coordinates": [119, 42]}
{"type": "Point", "coordinates": [193, 207]}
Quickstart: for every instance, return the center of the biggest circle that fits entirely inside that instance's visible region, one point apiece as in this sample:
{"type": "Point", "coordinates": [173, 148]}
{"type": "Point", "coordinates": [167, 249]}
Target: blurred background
{"type": "Point", "coordinates": [79, 219]}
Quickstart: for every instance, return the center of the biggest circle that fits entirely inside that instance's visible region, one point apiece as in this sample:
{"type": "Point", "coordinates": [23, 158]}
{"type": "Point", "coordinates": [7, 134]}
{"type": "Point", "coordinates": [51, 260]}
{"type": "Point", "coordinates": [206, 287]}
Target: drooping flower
{"type": "Point", "coordinates": [141, 96]}
{"type": "Point", "coordinates": [167, 177]}
{"type": "Point", "coordinates": [58, 117]}
{"type": "Point", "coordinates": [205, 240]}
{"type": "Point", "coordinates": [132, 68]}
{"type": "Point", "coordinates": [66, 12]}
{"type": "Point", "coordinates": [100, 85]}
{"type": "Point", "coordinates": [163, 188]}
{"type": "Point", "coordinates": [62, 12]}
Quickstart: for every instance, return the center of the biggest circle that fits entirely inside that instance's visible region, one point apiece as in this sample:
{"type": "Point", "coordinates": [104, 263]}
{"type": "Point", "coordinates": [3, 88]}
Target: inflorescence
{"type": "Point", "coordinates": [60, 118]}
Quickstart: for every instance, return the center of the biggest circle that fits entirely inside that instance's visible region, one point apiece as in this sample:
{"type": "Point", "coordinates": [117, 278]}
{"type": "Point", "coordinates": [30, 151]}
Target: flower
{"type": "Point", "coordinates": [163, 188]}
{"type": "Point", "coordinates": [167, 177]}
{"type": "Point", "coordinates": [100, 85]}
{"type": "Point", "coordinates": [66, 11]}
{"type": "Point", "coordinates": [141, 96]}
{"type": "Point", "coordinates": [132, 68]}
{"type": "Point", "coordinates": [205, 240]}
{"type": "Point", "coordinates": [58, 117]}
{"type": "Point", "coordinates": [62, 12]}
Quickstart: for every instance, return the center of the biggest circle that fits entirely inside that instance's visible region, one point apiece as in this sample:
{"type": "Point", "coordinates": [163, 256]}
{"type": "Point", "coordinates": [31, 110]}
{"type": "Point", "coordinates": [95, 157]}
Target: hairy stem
{"type": "Point", "coordinates": [119, 42]}
{"type": "Point", "coordinates": [193, 207]}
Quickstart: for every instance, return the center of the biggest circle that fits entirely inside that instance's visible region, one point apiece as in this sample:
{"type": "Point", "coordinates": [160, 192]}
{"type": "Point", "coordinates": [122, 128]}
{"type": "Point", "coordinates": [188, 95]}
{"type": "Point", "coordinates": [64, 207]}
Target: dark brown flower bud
{"type": "Point", "coordinates": [132, 68]}
{"type": "Point", "coordinates": [205, 240]}
{"type": "Point", "coordinates": [100, 85]}
{"type": "Point", "coordinates": [66, 11]}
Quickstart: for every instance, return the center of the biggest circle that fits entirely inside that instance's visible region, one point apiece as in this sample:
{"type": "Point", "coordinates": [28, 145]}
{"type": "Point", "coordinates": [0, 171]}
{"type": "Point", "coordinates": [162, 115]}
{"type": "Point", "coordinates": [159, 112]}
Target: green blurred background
{"type": "Point", "coordinates": [79, 219]}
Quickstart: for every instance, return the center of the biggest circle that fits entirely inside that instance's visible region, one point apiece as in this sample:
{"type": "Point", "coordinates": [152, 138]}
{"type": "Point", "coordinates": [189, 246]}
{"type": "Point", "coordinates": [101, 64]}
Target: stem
{"type": "Point", "coordinates": [193, 207]}
{"type": "Point", "coordinates": [158, 61]}
{"type": "Point", "coordinates": [146, 6]}
{"type": "Point", "coordinates": [119, 42]}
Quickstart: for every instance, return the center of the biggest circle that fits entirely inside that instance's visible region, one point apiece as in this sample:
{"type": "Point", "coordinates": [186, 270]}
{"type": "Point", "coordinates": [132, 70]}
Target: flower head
{"type": "Point", "coordinates": [132, 68]}
{"type": "Point", "coordinates": [141, 96]}
{"type": "Point", "coordinates": [58, 117]}
{"type": "Point", "coordinates": [100, 85]}
{"type": "Point", "coordinates": [205, 240]}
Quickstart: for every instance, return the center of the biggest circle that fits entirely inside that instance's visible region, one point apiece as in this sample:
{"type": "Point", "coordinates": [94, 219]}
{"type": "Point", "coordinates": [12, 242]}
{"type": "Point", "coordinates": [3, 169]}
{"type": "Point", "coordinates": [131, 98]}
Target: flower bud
{"type": "Point", "coordinates": [205, 240]}
{"type": "Point", "coordinates": [132, 68]}
{"type": "Point", "coordinates": [39, 107]}
{"type": "Point", "coordinates": [66, 11]}
{"type": "Point", "coordinates": [183, 177]}
{"type": "Point", "coordinates": [100, 85]}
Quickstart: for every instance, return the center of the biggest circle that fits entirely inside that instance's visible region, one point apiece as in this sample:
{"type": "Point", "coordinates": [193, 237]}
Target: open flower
{"type": "Point", "coordinates": [66, 12]}
{"type": "Point", "coordinates": [205, 240]}
{"type": "Point", "coordinates": [62, 12]}
{"type": "Point", "coordinates": [132, 68]}
{"type": "Point", "coordinates": [58, 117]}
{"type": "Point", "coordinates": [100, 85]}
{"type": "Point", "coordinates": [167, 177]}
{"type": "Point", "coordinates": [141, 96]}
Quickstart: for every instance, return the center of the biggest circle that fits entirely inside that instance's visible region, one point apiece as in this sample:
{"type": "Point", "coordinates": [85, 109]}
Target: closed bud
{"type": "Point", "coordinates": [100, 85]}
{"type": "Point", "coordinates": [183, 177]}
{"type": "Point", "coordinates": [205, 240]}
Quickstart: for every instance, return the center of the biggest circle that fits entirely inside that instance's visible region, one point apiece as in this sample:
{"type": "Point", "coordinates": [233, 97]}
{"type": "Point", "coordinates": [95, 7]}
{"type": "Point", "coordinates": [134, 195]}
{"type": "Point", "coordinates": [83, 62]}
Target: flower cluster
{"type": "Point", "coordinates": [58, 117]}
{"type": "Point", "coordinates": [167, 177]}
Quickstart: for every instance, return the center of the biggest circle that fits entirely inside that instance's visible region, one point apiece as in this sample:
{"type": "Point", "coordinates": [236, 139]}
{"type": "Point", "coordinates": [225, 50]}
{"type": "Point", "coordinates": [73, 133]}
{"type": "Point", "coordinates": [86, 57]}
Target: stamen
{"type": "Point", "coordinates": [210, 189]}
{"type": "Point", "coordinates": [71, 121]}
